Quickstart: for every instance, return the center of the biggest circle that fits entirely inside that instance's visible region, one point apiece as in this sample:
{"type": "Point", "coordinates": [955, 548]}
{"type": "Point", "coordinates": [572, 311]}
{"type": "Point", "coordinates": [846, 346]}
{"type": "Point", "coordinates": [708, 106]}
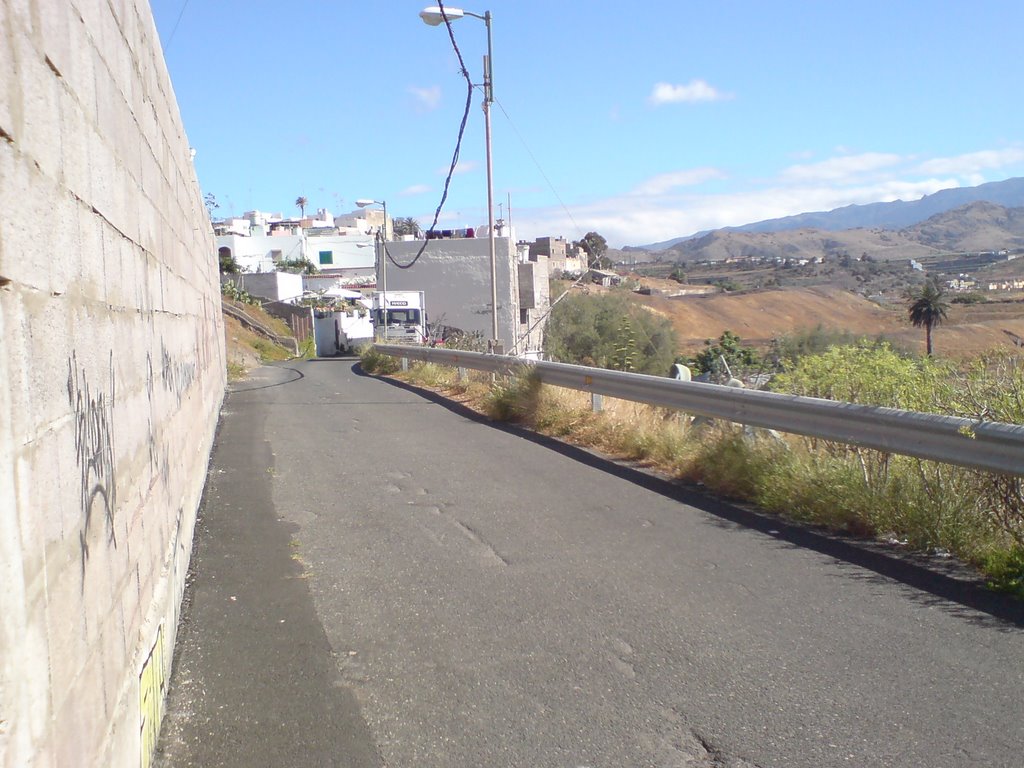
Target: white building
{"type": "Point", "coordinates": [260, 242]}
{"type": "Point", "coordinates": [271, 286]}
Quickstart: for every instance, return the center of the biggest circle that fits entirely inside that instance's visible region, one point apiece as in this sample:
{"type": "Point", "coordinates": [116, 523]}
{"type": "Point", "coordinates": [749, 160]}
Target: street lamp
{"type": "Point", "coordinates": [382, 257]}
{"type": "Point", "coordinates": [434, 16]}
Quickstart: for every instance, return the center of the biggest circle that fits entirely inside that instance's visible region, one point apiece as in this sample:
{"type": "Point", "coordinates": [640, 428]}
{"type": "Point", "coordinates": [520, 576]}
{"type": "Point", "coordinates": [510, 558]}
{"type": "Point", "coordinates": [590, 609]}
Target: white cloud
{"type": "Point", "coordinates": [694, 91]}
{"type": "Point", "coordinates": [662, 183]}
{"type": "Point", "coordinates": [973, 163]}
{"type": "Point", "coordinates": [415, 189]}
{"type": "Point", "coordinates": [427, 98]}
{"type": "Point", "coordinates": [661, 207]}
{"type": "Point", "coordinates": [634, 220]}
{"type": "Point", "coordinates": [841, 169]}
{"type": "Point", "coordinates": [467, 166]}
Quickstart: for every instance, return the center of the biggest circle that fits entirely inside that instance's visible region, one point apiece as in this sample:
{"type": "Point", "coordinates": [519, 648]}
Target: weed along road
{"type": "Point", "coordinates": [384, 580]}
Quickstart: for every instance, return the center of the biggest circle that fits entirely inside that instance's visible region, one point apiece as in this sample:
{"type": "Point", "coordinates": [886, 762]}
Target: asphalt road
{"type": "Point", "coordinates": [381, 580]}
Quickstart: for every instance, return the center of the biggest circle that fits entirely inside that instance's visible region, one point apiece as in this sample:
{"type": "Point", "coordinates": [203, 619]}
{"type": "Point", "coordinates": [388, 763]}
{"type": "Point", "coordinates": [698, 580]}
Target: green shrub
{"type": "Point", "coordinates": [232, 291]}
{"type": "Point", "coordinates": [869, 374]}
{"type": "Point", "coordinates": [511, 398]}
{"type": "Point", "coordinates": [969, 298]}
{"type": "Point", "coordinates": [740, 359]}
{"type": "Point", "coordinates": [373, 361]}
{"type": "Point", "coordinates": [1005, 570]}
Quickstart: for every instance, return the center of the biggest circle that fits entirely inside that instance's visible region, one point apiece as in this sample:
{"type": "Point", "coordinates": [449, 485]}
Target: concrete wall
{"type": "Point", "coordinates": [456, 276]}
{"type": "Point", "coordinates": [535, 302]}
{"type": "Point", "coordinates": [111, 379]}
{"type": "Point", "coordinates": [272, 286]}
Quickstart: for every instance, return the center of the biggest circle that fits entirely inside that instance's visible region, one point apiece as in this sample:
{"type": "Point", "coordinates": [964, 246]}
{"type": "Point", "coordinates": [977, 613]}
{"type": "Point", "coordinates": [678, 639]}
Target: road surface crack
{"type": "Point", "coordinates": [488, 552]}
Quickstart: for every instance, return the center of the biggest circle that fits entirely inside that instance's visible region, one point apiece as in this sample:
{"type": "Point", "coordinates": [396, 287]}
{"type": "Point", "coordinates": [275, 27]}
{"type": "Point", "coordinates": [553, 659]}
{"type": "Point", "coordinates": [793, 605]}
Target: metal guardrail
{"type": "Point", "coordinates": [986, 445]}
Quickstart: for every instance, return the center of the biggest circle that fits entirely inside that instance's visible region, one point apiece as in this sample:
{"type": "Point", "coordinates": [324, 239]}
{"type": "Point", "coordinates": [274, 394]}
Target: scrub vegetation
{"type": "Point", "coordinates": [610, 330]}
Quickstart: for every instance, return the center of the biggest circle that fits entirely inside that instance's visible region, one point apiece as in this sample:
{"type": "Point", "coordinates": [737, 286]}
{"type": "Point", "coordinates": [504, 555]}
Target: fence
{"type": "Point", "coordinates": [985, 445]}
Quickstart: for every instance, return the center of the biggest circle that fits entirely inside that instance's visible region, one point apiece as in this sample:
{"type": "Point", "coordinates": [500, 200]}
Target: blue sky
{"type": "Point", "coordinates": [643, 121]}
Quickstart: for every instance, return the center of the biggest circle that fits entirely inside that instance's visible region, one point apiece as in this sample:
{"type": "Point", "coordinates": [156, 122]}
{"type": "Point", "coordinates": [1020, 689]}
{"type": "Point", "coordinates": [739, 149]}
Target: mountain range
{"type": "Point", "coordinates": [897, 215]}
{"type": "Point", "coordinates": [974, 227]}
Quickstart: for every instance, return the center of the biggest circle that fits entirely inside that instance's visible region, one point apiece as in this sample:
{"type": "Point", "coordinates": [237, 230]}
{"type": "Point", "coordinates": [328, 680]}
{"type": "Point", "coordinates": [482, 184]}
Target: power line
{"type": "Point", "coordinates": [175, 28]}
{"type": "Point", "coordinates": [536, 162]}
{"type": "Point", "coordinates": [455, 154]}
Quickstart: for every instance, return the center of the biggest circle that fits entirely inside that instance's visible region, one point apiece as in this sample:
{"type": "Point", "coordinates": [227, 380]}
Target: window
{"type": "Point", "coordinates": [409, 316]}
{"type": "Point", "coordinates": [326, 257]}
{"type": "Point", "coordinates": [275, 256]}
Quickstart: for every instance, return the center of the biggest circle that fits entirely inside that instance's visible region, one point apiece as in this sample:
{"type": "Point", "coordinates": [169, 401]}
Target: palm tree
{"type": "Point", "coordinates": [927, 309]}
{"type": "Point", "coordinates": [301, 202]}
{"type": "Point", "coordinates": [406, 225]}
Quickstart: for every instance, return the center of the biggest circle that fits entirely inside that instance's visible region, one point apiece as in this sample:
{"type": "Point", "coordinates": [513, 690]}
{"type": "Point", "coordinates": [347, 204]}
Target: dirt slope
{"type": "Point", "coordinates": [760, 316]}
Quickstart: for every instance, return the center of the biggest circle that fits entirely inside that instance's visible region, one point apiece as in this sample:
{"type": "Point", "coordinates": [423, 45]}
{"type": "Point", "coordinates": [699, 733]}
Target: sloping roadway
{"type": "Point", "coordinates": [383, 580]}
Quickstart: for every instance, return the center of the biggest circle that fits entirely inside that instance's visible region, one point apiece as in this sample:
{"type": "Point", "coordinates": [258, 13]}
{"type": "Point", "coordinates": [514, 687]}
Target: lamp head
{"type": "Point", "coordinates": [434, 17]}
{"type": "Point", "coordinates": [364, 202]}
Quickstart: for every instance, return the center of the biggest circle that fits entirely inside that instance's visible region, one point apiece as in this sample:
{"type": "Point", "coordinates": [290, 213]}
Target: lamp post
{"type": "Point", "coordinates": [434, 16]}
{"type": "Point", "coordinates": [382, 257]}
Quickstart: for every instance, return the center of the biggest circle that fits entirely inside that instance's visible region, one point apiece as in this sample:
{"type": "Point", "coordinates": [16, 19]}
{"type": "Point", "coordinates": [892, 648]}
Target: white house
{"type": "Point", "coordinates": [260, 242]}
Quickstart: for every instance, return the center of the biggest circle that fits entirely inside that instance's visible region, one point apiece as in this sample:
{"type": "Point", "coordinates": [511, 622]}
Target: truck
{"type": "Point", "coordinates": [406, 317]}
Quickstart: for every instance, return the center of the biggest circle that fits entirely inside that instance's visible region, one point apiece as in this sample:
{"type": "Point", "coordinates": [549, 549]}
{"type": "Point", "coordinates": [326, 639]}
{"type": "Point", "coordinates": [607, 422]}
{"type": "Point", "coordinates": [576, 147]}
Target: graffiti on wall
{"type": "Point", "coordinates": [93, 412]}
{"type": "Point", "coordinates": [152, 691]}
{"type": "Point", "coordinates": [177, 375]}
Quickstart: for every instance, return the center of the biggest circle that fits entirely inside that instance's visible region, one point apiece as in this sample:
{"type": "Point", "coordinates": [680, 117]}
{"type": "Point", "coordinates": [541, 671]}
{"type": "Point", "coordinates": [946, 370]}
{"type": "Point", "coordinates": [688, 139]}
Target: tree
{"type": "Point", "coordinates": [211, 204]}
{"type": "Point", "coordinates": [928, 307]}
{"type": "Point", "coordinates": [728, 346]}
{"type": "Point", "coordinates": [406, 225]}
{"type": "Point", "coordinates": [610, 331]}
{"type": "Point", "coordinates": [228, 263]}
{"type": "Point", "coordinates": [301, 203]}
{"type": "Point", "coordinates": [596, 248]}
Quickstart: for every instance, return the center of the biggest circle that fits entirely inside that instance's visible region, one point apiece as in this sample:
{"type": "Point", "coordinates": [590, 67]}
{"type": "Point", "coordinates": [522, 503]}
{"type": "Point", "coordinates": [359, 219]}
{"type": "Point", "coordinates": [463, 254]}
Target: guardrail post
{"type": "Point", "coordinates": [596, 402]}
{"type": "Point", "coordinates": [463, 374]}
{"type": "Point", "coordinates": [405, 364]}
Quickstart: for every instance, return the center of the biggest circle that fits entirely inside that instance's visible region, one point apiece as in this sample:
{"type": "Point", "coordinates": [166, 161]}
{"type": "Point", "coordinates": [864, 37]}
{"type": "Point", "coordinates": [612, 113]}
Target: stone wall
{"type": "Point", "coordinates": [111, 379]}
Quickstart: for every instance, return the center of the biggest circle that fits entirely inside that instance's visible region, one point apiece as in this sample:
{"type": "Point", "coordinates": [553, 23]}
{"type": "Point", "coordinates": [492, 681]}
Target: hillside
{"type": "Point", "coordinates": [976, 227]}
{"type": "Point", "coordinates": [800, 244]}
{"type": "Point", "coordinates": [898, 214]}
{"type": "Point", "coordinates": [758, 317]}
{"type": "Point", "coordinates": [979, 226]}
{"type": "Point", "coordinates": [245, 346]}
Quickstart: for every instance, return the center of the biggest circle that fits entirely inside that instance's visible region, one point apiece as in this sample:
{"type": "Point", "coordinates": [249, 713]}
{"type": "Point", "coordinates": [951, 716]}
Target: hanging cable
{"type": "Point", "coordinates": [523, 337]}
{"type": "Point", "coordinates": [175, 29]}
{"type": "Point", "coordinates": [455, 154]}
{"type": "Point", "coordinates": [533, 157]}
